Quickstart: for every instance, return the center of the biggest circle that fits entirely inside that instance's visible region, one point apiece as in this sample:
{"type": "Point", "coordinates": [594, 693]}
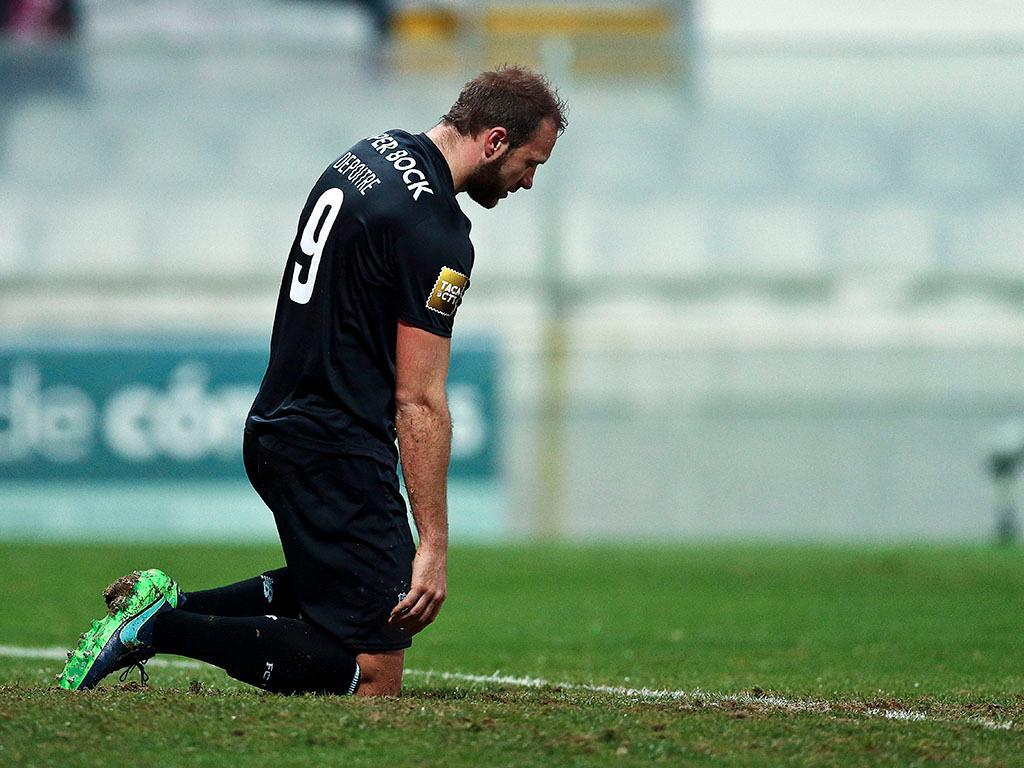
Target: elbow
{"type": "Point", "coordinates": [408, 400]}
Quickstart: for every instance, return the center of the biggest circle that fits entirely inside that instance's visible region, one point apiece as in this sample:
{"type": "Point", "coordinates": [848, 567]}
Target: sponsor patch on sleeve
{"type": "Point", "coordinates": [447, 293]}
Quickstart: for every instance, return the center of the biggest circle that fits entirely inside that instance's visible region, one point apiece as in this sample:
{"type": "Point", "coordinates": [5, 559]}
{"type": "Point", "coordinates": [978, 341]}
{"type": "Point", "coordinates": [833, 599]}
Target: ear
{"type": "Point", "coordinates": [495, 142]}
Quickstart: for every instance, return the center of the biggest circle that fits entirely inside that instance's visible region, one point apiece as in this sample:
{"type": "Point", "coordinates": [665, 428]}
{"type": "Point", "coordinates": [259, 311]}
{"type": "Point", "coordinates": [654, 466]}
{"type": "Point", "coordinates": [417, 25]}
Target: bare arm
{"type": "Point", "coordinates": [424, 441]}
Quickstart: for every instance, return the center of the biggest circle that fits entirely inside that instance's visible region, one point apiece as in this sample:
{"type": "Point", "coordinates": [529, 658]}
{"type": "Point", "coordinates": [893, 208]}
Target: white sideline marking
{"type": "Point", "coordinates": [60, 654]}
{"type": "Point", "coordinates": [707, 698]}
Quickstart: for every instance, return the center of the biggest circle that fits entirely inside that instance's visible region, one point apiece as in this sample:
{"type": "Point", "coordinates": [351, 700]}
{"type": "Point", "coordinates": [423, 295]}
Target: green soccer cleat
{"type": "Point", "coordinates": [122, 638]}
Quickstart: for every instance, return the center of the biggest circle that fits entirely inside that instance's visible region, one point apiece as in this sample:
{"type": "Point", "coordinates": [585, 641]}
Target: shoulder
{"type": "Point", "coordinates": [434, 239]}
{"type": "Point", "coordinates": [404, 187]}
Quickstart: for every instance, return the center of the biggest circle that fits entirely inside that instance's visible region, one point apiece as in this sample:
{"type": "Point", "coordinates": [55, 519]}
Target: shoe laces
{"type": "Point", "coordinates": [139, 665]}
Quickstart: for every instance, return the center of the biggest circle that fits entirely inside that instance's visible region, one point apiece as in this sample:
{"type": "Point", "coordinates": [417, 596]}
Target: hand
{"type": "Point", "coordinates": [426, 594]}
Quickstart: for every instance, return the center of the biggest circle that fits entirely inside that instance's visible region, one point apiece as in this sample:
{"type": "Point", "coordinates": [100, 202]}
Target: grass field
{"type": "Point", "coordinates": [765, 655]}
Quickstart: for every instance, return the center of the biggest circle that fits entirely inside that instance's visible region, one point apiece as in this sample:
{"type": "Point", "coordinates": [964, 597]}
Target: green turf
{"type": "Point", "coordinates": [939, 631]}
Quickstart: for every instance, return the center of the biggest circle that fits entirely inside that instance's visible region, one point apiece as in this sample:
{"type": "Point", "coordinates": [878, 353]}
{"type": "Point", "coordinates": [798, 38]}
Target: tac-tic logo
{"type": "Point", "coordinates": [448, 291]}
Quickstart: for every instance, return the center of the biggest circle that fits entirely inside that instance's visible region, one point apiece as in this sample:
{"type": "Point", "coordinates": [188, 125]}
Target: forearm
{"type": "Point", "coordinates": [424, 441]}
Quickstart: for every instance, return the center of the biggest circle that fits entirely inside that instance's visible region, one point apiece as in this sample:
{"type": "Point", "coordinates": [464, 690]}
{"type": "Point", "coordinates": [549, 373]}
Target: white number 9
{"type": "Point", "coordinates": [312, 245]}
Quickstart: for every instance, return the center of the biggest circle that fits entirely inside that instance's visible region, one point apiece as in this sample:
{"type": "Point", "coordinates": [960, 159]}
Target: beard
{"type": "Point", "coordinates": [485, 185]}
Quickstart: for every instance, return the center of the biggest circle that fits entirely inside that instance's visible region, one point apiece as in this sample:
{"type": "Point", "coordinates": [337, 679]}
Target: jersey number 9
{"type": "Point", "coordinates": [312, 242]}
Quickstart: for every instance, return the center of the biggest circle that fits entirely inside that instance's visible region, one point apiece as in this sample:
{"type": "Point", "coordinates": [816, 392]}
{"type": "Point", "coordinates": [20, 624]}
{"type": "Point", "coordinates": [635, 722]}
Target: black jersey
{"type": "Point", "coordinates": [381, 239]}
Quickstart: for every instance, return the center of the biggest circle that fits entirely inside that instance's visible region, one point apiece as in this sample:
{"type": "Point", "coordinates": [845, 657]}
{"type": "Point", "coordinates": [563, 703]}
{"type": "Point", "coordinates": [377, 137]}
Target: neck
{"type": "Point", "coordinates": [453, 146]}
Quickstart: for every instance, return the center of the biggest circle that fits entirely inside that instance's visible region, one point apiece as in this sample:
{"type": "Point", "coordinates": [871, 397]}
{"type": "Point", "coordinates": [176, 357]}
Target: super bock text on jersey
{"type": "Point", "coordinates": [381, 239]}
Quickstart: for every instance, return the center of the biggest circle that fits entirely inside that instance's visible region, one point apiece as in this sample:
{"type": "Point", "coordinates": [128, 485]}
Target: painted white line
{"type": "Point", "coordinates": [706, 698]}
{"type": "Point", "coordinates": [56, 653]}
{"type": "Point", "coordinates": [709, 698]}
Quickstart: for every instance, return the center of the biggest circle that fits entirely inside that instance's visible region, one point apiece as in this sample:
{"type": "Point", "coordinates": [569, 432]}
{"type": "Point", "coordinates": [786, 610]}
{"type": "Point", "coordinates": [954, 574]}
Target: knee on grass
{"type": "Point", "coordinates": [380, 674]}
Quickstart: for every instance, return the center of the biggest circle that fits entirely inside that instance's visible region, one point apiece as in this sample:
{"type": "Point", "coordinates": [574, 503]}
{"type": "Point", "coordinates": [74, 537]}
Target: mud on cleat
{"type": "Point", "coordinates": [120, 639]}
{"type": "Point", "coordinates": [141, 588]}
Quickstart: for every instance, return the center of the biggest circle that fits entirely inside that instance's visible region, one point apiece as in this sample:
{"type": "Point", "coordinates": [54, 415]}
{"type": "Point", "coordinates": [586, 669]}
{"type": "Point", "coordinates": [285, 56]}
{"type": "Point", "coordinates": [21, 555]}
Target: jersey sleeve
{"type": "Point", "coordinates": [432, 272]}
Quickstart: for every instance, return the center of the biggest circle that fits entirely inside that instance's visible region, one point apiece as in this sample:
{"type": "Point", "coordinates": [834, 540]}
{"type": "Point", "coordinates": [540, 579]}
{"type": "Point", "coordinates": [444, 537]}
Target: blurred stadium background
{"type": "Point", "coordinates": [771, 283]}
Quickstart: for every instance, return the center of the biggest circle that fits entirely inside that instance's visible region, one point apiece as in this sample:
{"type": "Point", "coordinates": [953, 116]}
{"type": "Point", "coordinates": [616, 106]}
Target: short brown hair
{"type": "Point", "coordinates": [513, 97]}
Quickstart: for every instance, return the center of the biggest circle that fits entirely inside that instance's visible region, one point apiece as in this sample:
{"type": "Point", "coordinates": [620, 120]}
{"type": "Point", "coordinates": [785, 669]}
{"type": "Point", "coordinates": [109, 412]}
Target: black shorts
{"type": "Point", "coordinates": [346, 537]}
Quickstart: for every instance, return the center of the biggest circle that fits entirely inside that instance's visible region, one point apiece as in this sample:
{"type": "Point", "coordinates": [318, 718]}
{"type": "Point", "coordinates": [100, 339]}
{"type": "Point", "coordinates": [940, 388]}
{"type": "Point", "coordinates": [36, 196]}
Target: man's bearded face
{"type": "Point", "coordinates": [487, 185]}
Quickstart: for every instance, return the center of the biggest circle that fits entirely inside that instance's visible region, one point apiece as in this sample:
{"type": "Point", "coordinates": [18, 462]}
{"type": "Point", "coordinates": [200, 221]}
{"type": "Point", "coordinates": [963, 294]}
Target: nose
{"type": "Point", "coordinates": [527, 181]}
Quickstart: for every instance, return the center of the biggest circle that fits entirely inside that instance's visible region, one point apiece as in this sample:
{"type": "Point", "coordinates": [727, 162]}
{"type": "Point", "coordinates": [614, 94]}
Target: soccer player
{"type": "Point", "coordinates": [358, 358]}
